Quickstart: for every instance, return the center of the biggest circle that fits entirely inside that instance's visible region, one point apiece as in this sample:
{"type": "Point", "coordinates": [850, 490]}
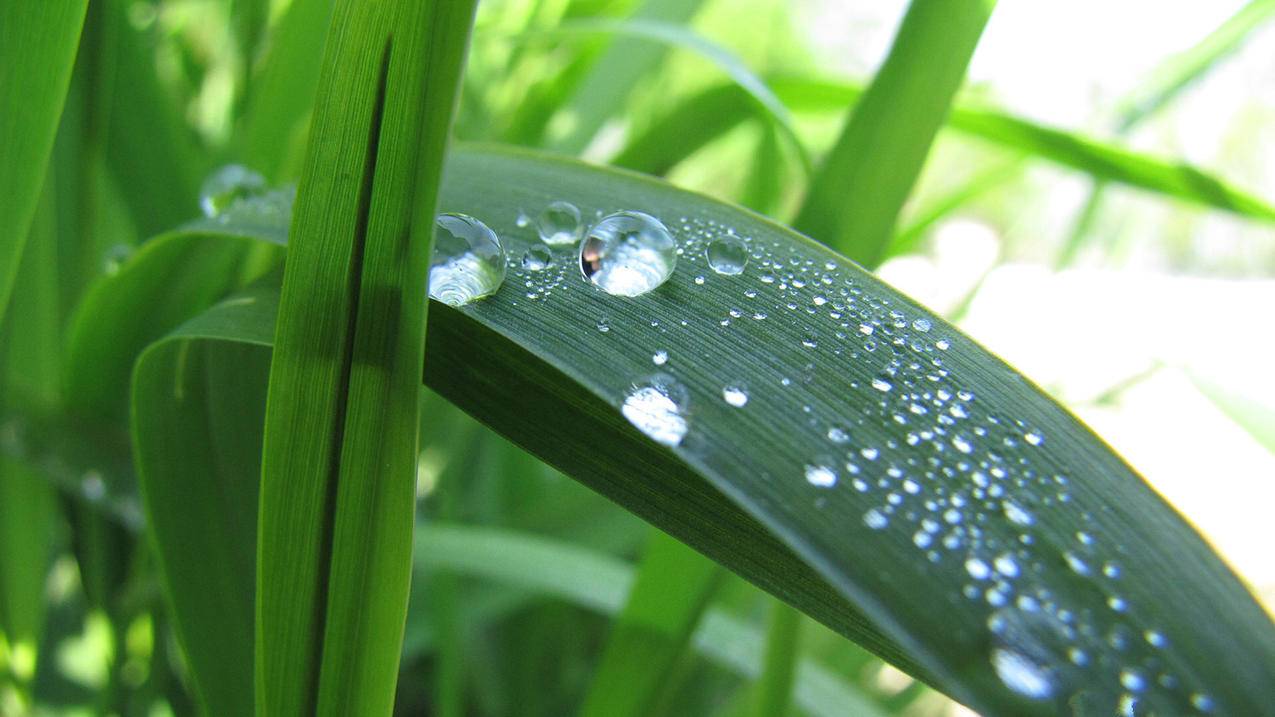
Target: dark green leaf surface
{"type": "Point", "coordinates": [855, 198]}
{"type": "Point", "coordinates": [35, 67]}
{"type": "Point", "coordinates": [1039, 541]}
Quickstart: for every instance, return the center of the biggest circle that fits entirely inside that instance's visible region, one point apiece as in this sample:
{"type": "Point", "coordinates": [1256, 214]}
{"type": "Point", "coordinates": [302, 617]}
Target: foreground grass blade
{"type": "Point", "coordinates": [949, 480]}
{"type": "Point", "coordinates": [339, 453]}
{"type": "Point", "coordinates": [855, 198]}
{"type": "Point", "coordinates": [673, 587]}
{"type": "Point", "coordinates": [35, 68]}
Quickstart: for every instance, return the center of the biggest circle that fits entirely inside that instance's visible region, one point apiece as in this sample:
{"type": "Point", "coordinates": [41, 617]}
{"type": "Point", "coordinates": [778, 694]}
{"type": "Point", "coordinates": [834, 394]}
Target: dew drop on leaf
{"type": "Point", "coordinates": [1021, 674]}
{"type": "Point", "coordinates": [468, 262]}
{"type": "Point", "coordinates": [537, 258]}
{"type": "Point", "coordinates": [727, 255]}
{"type": "Point", "coordinates": [628, 254]}
{"type": "Point", "coordinates": [656, 406]}
{"type": "Point", "coordinates": [230, 184]}
{"type": "Point", "coordinates": [559, 224]}
{"type": "Point", "coordinates": [735, 394]}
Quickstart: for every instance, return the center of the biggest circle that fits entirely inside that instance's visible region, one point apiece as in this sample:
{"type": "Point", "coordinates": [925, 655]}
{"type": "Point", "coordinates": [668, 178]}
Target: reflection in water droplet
{"type": "Point", "coordinates": [230, 184]}
{"type": "Point", "coordinates": [727, 255]}
{"type": "Point", "coordinates": [468, 262]}
{"type": "Point", "coordinates": [657, 407]}
{"type": "Point", "coordinates": [735, 394]}
{"type": "Point", "coordinates": [537, 258]}
{"type": "Point", "coordinates": [628, 254]}
{"type": "Point", "coordinates": [559, 224]}
{"type": "Point", "coordinates": [1022, 675]}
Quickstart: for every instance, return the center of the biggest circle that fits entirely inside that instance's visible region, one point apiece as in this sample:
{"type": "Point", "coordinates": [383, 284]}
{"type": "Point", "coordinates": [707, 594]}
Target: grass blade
{"type": "Point", "coordinates": [35, 70]}
{"type": "Point", "coordinates": [855, 198]}
{"type": "Point", "coordinates": [672, 590]}
{"type": "Point", "coordinates": [1100, 543]}
{"type": "Point", "coordinates": [1256, 417]}
{"type": "Point", "coordinates": [780, 664]}
{"type": "Point", "coordinates": [339, 455]}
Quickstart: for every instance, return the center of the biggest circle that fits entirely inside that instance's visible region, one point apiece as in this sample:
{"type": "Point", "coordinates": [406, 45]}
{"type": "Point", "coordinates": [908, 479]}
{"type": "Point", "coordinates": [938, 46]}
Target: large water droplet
{"type": "Point", "coordinates": [224, 187]}
{"type": "Point", "coordinates": [727, 255]}
{"type": "Point", "coordinates": [559, 224]}
{"type": "Point", "coordinates": [1021, 674]}
{"type": "Point", "coordinates": [657, 407]}
{"type": "Point", "coordinates": [468, 262]}
{"type": "Point", "coordinates": [628, 254]}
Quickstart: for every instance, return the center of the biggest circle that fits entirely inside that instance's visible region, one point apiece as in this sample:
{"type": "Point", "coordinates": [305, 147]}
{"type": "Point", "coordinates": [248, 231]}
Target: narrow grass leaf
{"type": "Point", "coordinates": [856, 196]}
{"type": "Point", "coordinates": [779, 667]}
{"type": "Point", "coordinates": [339, 455]}
{"type": "Point", "coordinates": [673, 587]}
{"type": "Point", "coordinates": [36, 56]}
{"type": "Point", "coordinates": [1255, 416]}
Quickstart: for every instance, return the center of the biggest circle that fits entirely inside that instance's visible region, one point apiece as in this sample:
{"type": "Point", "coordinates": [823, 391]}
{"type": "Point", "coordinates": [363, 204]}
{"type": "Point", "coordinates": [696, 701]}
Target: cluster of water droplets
{"type": "Point", "coordinates": [235, 194]}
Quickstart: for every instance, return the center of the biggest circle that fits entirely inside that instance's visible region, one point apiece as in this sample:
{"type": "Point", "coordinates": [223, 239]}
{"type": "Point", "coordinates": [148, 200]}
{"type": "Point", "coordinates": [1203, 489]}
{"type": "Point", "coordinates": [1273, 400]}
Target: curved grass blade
{"type": "Point", "coordinates": [602, 91]}
{"type": "Point", "coordinates": [694, 123]}
{"type": "Point", "coordinates": [673, 587]}
{"type": "Point", "coordinates": [339, 451]}
{"type": "Point", "coordinates": [855, 198]}
{"type": "Point", "coordinates": [36, 56]}
{"type": "Point", "coordinates": [958, 483]}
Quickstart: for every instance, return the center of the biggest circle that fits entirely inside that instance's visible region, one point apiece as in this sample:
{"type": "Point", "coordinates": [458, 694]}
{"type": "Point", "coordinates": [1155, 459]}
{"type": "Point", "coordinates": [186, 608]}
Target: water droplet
{"type": "Point", "coordinates": [727, 255]}
{"type": "Point", "coordinates": [559, 224]}
{"type": "Point", "coordinates": [1155, 639]}
{"type": "Point", "coordinates": [1016, 513]}
{"type": "Point", "coordinates": [922, 325]}
{"type": "Point", "coordinates": [468, 262]}
{"type": "Point", "coordinates": [1132, 681]}
{"type": "Point", "coordinates": [875, 519]}
{"type": "Point", "coordinates": [881, 384]}
{"type": "Point", "coordinates": [230, 184]}
{"type": "Point", "coordinates": [657, 407]}
{"type": "Point", "coordinates": [838, 434]}
{"type": "Point", "coordinates": [1077, 565]}
{"type": "Point", "coordinates": [735, 394]}
{"type": "Point", "coordinates": [977, 569]}
{"type": "Point", "coordinates": [1202, 702]}
{"type": "Point", "coordinates": [628, 254]}
{"type": "Point", "coordinates": [660, 357]}
{"type": "Point", "coordinates": [942, 344]}
{"type": "Point", "coordinates": [522, 219]}
{"type": "Point", "coordinates": [114, 257]}
{"type": "Point", "coordinates": [604, 325]}
{"type": "Point", "coordinates": [1034, 438]}
{"type": "Point", "coordinates": [1006, 566]}
{"type": "Point", "coordinates": [537, 258]}
{"type": "Point", "coordinates": [1021, 674]}
{"type": "Point", "coordinates": [821, 474]}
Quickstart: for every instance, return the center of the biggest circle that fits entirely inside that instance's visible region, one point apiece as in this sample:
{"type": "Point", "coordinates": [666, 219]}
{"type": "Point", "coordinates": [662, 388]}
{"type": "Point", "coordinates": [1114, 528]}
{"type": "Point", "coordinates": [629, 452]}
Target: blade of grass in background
{"type": "Point", "coordinates": [1166, 83]}
{"type": "Point", "coordinates": [931, 421]}
{"type": "Point", "coordinates": [695, 122]}
{"type": "Point", "coordinates": [282, 92]}
{"type": "Point", "coordinates": [604, 90]}
{"type": "Point", "coordinates": [856, 196]}
{"type": "Point", "coordinates": [1254, 416]}
{"type": "Point", "coordinates": [339, 453]}
{"type": "Point", "coordinates": [673, 587]}
{"type": "Point", "coordinates": [779, 668]}
{"type": "Point", "coordinates": [36, 56]}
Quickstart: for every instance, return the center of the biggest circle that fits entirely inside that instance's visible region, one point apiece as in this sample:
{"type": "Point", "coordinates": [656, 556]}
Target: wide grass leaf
{"type": "Point", "coordinates": [886, 475]}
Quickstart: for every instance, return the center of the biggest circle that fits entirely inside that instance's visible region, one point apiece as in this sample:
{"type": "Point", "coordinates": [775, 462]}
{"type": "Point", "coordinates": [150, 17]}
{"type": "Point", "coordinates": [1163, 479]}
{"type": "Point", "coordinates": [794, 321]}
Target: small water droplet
{"type": "Point", "coordinates": [875, 519]}
{"type": "Point", "coordinates": [1021, 674]}
{"type": "Point", "coordinates": [1034, 438]}
{"type": "Point", "coordinates": [1005, 565]}
{"type": "Point", "coordinates": [628, 254]}
{"type": "Point", "coordinates": [942, 344]}
{"type": "Point", "coordinates": [821, 474]}
{"type": "Point", "coordinates": [809, 342]}
{"type": "Point", "coordinates": [657, 407]}
{"type": "Point", "coordinates": [881, 384]}
{"type": "Point", "coordinates": [1016, 513]}
{"type": "Point", "coordinates": [537, 258]}
{"type": "Point", "coordinates": [522, 220]}
{"type": "Point", "coordinates": [660, 357]}
{"type": "Point", "coordinates": [1132, 680]}
{"type": "Point", "coordinates": [228, 185]}
{"type": "Point", "coordinates": [1155, 639]}
{"type": "Point", "coordinates": [559, 224]}
{"type": "Point", "coordinates": [114, 257]}
{"type": "Point", "coordinates": [604, 325]}
{"type": "Point", "coordinates": [977, 569]}
{"type": "Point", "coordinates": [1077, 565]}
{"type": "Point", "coordinates": [727, 255]}
{"type": "Point", "coordinates": [922, 325]}
{"type": "Point", "coordinates": [735, 394]}
{"type": "Point", "coordinates": [1202, 702]}
{"type": "Point", "coordinates": [838, 434]}
{"type": "Point", "coordinates": [468, 262]}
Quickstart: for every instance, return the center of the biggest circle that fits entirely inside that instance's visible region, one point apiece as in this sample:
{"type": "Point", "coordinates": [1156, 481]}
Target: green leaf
{"type": "Point", "coordinates": [1255, 416]}
{"type": "Point", "coordinates": [672, 590]}
{"type": "Point", "coordinates": [35, 68]}
{"type": "Point", "coordinates": [941, 434]}
{"type": "Point", "coordinates": [692, 124]}
{"type": "Point", "coordinates": [339, 453]}
{"type": "Point", "coordinates": [855, 198]}
{"type": "Point", "coordinates": [780, 666]}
